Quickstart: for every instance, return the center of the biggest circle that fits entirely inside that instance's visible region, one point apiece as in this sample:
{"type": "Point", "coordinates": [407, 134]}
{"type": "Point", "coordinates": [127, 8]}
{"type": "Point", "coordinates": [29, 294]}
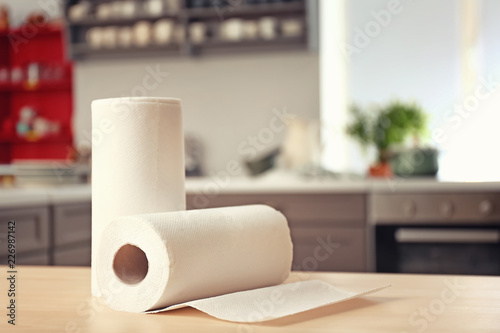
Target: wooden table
{"type": "Point", "coordinates": [57, 299]}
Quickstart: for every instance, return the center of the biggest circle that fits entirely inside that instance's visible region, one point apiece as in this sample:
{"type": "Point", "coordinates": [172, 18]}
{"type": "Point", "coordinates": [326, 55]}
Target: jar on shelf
{"type": "Point", "coordinates": [4, 75]}
{"type": "Point", "coordinates": [4, 18]}
{"type": "Point", "coordinates": [163, 31]}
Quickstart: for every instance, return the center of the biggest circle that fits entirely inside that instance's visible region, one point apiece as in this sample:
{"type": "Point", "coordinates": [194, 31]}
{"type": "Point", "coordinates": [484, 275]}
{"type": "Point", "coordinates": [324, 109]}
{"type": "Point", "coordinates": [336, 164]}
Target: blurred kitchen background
{"type": "Point", "coordinates": [371, 124]}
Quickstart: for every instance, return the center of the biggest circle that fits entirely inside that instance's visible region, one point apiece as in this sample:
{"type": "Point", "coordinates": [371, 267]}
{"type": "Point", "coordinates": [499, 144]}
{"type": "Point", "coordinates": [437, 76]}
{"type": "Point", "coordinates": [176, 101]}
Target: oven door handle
{"type": "Point", "coordinates": [423, 235]}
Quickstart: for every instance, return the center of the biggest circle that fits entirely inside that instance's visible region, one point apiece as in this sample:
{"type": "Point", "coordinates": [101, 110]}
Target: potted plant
{"type": "Point", "coordinates": [384, 127]}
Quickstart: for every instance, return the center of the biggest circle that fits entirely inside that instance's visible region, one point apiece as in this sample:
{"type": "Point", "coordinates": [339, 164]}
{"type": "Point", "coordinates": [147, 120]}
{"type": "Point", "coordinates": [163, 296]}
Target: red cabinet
{"type": "Point", "coordinates": [36, 94]}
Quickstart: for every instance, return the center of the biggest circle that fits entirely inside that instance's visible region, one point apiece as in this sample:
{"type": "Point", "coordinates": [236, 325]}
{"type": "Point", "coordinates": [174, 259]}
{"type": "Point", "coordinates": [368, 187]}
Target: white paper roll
{"type": "Point", "coordinates": [153, 261]}
{"type": "Point", "coordinates": [228, 262]}
{"type": "Point", "coordinates": [137, 161]}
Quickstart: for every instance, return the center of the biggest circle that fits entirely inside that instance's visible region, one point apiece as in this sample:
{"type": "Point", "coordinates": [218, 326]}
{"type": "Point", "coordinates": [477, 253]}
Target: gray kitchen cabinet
{"type": "Point", "coordinates": [31, 229]}
{"type": "Point", "coordinates": [328, 230]}
{"type": "Point", "coordinates": [41, 258]}
{"type": "Point", "coordinates": [329, 226]}
{"type": "Point", "coordinates": [329, 249]}
{"type": "Point", "coordinates": [72, 234]}
{"type": "Point", "coordinates": [57, 235]}
{"type": "Point", "coordinates": [72, 223]}
{"type": "Point", "coordinates": [327, 209]}
{"type": "Point", "coordinates": [31, 235]}
{"type": "Point", "coordinates": [78, 256]}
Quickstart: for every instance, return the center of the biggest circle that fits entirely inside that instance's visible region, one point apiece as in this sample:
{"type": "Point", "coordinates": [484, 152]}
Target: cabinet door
{"type": "Point", "coordinates": [316, 221]}
{"type": "Point", "coordinates": [72, 223]}
{"type": "Point", "coordinates": [31, 229]}
{"type": "Point", "coordinates": [37, 258]}
{"type": "Point", "coordinates": [344, 210]}
{"type": "Point", "coordinates": [327, 209]}
{"type": "Point", "coordinates": [199, 201]}
{"type": "Point", "coordinates": [79, 256]}
{"type": "Point", "coordinates": [329, 249]}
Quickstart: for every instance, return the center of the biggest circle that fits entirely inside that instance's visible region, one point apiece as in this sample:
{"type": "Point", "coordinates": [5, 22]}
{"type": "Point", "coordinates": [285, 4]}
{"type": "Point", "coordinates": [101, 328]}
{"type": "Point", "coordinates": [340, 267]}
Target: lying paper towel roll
{"type": "Point", "coordinates": [227, 262]}
{"type": "Point", "coordinates": [153, 261]}
{"type": "Point", "coordinates": [137, 161]}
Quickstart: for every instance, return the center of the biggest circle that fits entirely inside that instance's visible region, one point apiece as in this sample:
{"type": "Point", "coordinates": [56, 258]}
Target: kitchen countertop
{"type": "Point", "coordinates": [330, 185]}
{"type": "Point", "coordinates": [57, 299]}
{"type": "Point", "coordinates": [15, 197]}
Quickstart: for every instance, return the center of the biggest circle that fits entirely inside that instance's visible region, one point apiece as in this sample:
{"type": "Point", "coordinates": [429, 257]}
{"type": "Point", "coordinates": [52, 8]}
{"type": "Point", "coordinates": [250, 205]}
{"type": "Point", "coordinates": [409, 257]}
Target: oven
{"type": "Point", "coordinates": [437, 233]}
{"type": "Point", "coordinates": [439, 249]}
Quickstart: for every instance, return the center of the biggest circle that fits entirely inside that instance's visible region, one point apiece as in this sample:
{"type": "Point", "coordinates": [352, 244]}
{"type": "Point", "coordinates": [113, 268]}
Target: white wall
{"type": "Point", "coordinates": [333, 85]}
{"type": "Point", "coordinates": [472, 132]}
{"type": "Point", "coordinates": [402, 49]}
{"type": "Point", "coordinates": [225, 99]}
{"type": "Point", "coordinates": [436, 53]}
{"type": "Point", "coordinates": [490, 25]}
{"type": "Point", "coordinates": [415, 57]}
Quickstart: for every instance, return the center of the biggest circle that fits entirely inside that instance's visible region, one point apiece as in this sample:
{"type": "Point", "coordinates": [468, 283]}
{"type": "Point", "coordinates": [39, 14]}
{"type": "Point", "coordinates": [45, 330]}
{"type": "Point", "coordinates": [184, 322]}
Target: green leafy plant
{"type": "Point", "coordinates": [387, 126]}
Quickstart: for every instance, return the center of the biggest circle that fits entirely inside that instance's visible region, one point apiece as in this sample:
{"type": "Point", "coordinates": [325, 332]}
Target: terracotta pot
{"type": "Point", "coordinates": [382, 169]}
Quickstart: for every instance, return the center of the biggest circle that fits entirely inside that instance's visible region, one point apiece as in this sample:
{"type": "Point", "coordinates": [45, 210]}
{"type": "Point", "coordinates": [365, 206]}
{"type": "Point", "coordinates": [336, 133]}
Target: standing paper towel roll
{"type": "Point", "coordinates": [153, 261]}
{"type": "Point", "coordinates": [137, 161]}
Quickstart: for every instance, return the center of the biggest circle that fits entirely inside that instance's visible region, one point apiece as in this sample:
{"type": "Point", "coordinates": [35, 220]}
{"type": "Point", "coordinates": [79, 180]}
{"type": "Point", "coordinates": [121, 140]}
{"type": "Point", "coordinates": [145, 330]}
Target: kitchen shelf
{"type": "Point", "coordinates": [50, 101]}
{"type": "Point", "coordinates": [18, 140]}
{"type": "Point", "coordinates": [41, 86]}
{"type": "Point", "coordinates": [248, 10]}
{"type": "Point", "coordinates": [83, 51]}
{"type": "Point", "coordinates": [213, 16]}
{"type": "Point", "coordinates": [95, 22]}
{"type": "Point", "coordinates": [282, 43]}
{"type": "Point", "coordinates": [47, 30]}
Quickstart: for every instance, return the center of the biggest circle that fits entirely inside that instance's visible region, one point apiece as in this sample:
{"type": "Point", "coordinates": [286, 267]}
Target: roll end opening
{"type": "Point", "coordinates": [130, 264]}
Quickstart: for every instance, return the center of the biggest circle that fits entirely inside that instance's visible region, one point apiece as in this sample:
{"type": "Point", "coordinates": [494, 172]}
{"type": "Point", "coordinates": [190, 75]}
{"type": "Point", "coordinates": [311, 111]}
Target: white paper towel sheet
{"type": "Point", "coordinates": [273, 302]}
{"type": "Point", "coordinates": [137, 161]}
{"type": "Point", "coordinates": [228, 262]}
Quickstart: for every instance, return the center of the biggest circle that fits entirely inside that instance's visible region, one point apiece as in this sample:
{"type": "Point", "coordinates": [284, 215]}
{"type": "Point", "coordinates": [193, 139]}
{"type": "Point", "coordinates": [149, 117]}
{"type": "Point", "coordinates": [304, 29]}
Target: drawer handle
{"type": "Point", "coordinates": [409, 235]}
{"type": "Point", "coordinates": [447, 209]}
{"type": "Point", "coordinates": [410, 209]}
{"type": "Point", "coordinates": [485, 207]}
